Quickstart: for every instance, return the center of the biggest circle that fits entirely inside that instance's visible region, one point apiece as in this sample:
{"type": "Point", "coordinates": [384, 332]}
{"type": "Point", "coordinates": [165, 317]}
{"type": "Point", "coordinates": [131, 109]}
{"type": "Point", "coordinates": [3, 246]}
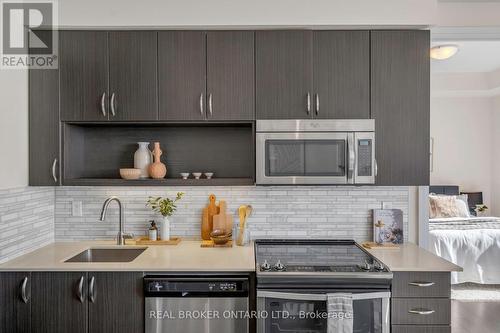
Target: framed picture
{"type": "Point", "coordinates": [388, 226]}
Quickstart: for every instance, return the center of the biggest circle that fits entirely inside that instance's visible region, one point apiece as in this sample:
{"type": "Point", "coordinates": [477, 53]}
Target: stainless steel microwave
{"type": "Point", "coordinates": [315, 152]}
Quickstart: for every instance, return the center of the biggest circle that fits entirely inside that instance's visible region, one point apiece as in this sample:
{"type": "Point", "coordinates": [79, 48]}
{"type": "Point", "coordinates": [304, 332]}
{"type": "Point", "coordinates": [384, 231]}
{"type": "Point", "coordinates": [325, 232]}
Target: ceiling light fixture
{"type": "Point", "coordinates": [443, 52]}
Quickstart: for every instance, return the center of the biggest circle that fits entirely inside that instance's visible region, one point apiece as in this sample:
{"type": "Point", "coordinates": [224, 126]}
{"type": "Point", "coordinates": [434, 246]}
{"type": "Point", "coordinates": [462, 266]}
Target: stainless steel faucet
{"type": "Point", "coordinates": [120, 238]}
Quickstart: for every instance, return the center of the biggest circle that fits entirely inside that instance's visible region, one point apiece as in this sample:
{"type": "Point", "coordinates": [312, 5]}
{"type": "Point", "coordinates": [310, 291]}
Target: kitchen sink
{"type": "Point", "coordinates": [107, 255]}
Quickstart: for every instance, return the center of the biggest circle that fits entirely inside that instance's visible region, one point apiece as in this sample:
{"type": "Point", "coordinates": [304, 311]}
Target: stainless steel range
{"type": "Point", "coordinates": [295, 277]}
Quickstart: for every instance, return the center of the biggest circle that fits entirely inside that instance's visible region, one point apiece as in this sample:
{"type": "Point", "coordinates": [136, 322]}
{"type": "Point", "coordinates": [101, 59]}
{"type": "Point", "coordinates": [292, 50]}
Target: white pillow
{"type": "Point", "coordinates": [463, 208]}
{"type": "Point", "coordinates": [442, 206]}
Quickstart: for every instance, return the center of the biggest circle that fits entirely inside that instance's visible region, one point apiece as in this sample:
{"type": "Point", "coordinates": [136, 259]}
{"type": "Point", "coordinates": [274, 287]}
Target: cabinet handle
{"type": "Point", "coordinates": [421, 284]}
{"type": "Point", "coordinates": [201, 104]}
{"type": "Point", "coordinates": [422, 312]}
{"type": "Point", "coordinates": [92, 293]}
{"type": "Point", "coordinates": [210, 105]}
{"type": "Point", "coordinates": [103, 104]}
{"type": "Point", "coordinates": [54, 175]}
{"type": "Point", "coordinates": [24, 295]}
{"type": "Point", "coordinates": [308, 103]}
{"type": "Point", "coordinates": [317, 104]}
{"type": "Point", "coordinates": [80, 289]}
{"type": "Point", "coordinates": [112, 104]}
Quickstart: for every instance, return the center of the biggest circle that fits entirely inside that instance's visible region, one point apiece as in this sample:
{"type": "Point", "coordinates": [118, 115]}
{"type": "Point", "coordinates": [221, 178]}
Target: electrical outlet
{"type": "Point", "coordinates": [76, 208]}
{"type": "Point", "coordinates": [386, 205]}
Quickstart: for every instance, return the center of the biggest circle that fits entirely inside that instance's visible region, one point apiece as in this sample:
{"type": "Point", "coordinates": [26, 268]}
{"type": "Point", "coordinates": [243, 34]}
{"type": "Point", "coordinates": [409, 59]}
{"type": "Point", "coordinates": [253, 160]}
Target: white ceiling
{"type": "Point", "coordinates": [473, 56]}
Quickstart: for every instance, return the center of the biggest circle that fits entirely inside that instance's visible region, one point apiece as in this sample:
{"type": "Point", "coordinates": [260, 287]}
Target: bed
{"type": "Point", "coordinates": [470, 242]}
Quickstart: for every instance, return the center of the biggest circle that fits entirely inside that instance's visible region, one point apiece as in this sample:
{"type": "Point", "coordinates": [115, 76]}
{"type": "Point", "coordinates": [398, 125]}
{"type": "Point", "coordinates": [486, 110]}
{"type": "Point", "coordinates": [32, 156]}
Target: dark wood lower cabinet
{"type": "Point", "coordinates": [420, 329]}
{"type": "Point", "coordinates": [15, 312]}
{"type": "Point", "coordinates": [118, 302]}
{"type": "Point", "coordinates": [58, 305]}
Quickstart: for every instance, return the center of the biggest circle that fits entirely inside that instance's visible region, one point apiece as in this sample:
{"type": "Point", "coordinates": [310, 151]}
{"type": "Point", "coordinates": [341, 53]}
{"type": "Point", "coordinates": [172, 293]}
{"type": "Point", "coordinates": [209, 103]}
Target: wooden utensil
{"type": "Point", "coordinates": [243, 212]}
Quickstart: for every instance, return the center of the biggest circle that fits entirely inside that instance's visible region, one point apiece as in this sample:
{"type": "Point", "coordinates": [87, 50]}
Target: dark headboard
{"type": "Point", "coordinates": [444, 189]}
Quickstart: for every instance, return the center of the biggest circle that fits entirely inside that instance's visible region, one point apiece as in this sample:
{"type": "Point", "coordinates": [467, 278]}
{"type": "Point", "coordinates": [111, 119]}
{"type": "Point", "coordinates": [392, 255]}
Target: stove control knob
{"type": "Point", "coordinates": [265, 266]}
{"type": "Point", "coordinates": [279, 266]}
{"type": "Point", "coordinates": [378, 266]}
{"type": "Point", "coordinates": [366, 266]}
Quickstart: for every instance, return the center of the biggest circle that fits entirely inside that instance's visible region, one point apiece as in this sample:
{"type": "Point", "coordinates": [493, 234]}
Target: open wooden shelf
{"type": "Point", "coordinates": [159, 182]}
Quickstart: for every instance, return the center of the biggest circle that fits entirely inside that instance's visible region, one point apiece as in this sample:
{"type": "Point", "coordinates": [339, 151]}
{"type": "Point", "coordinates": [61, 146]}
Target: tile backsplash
{"type": "Point", "coordinates": [26, 220]}
{"type": "Point", "coordinates": [279, 212]}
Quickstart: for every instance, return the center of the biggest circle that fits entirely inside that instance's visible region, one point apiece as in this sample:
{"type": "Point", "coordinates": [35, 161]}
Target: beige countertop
{"type": "Point", "coordinates": [185, 256]}
{"type": "Point", "coordinates": [189, 256]}
{"type": "Point", "coordinates": [411, 258]}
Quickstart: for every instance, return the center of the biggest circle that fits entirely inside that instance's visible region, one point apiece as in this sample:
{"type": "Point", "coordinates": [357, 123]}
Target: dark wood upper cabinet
{"type": "Point", "coordinates": [118, 302]}
{"type": "Point", "coordinates": [84, 75]}
{"type": "Point", "coordinates": [15, 305]}
{"type": "Point", "coordinates": [341, 74]}
{"type": "Point", "coordinates": [182, 75]}
{"type": "Point", "coordinates": [284, 75]}
{"type": "Point", "coordinates": [400, 98]}
{"type": "Point", "coordinates": [56, 305]}
{"type": "Point", "coordinates": [133, 75]}
{"type": "Point", "coordinates": [230, 75]}
{"type": "Point", "coordinates": [44, 128]}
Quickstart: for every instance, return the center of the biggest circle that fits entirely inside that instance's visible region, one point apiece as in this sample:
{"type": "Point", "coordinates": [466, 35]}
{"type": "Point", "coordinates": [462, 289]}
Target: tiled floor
{"type": "Point", "coordinates": [475, 317]}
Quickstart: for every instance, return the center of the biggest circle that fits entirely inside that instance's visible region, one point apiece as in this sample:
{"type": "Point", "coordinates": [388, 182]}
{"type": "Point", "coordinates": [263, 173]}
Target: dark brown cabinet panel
{"type": "Point", "coordinates": [133, 75]}
{"type": "Point", "coordinates": [58, 303]}
{"type": "Point", "coordinates": [15, 304]}
{"type": "Point", "coordinates": [84, 75]}
{"type": "Point", "coordinates": [182, 75]}
{"type": "Point", "coordinates": [117, 305]}
{"type": "Point", "coordinates": [400, 98]}
{"type": "Point", "coordinates": [283, 74]}
{"type": "Point", "coordinates": [342, 74]}
{"type": "Point", "coordinates": [230, 75]}
{"type": "Point", "coordinates": [44, 160]}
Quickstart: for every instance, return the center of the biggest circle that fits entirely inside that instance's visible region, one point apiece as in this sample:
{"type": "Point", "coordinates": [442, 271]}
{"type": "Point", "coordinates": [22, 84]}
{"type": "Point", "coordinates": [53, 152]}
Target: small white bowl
{"type": "Point", "coordinates": [209, 175]}
{"type": "Point", "coordinates": [197, 175]}
{"type": "Point", "coordinates": [130, 173]}
{"type": "Point", "coordinates": [184, 175]}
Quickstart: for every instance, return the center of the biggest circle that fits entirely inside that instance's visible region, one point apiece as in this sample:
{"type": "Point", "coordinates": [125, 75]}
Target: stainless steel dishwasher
{"type": "Point", "coordinates": [195, 304]}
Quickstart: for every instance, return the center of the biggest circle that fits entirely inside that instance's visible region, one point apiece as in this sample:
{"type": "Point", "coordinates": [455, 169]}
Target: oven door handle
{"type": "Point", "coordinates": [318, 297]}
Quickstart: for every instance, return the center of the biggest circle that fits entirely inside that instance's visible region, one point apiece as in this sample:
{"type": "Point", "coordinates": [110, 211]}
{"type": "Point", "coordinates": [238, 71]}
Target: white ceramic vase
{"type": "Point", "coordinates": [143, 158]}
{"type": "Point", "coordinates": [165, 229]}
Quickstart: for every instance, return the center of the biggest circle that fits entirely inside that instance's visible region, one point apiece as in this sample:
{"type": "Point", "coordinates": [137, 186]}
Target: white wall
{"type": "Point", "coordinates": [462, 132]}
{"type": "Point", "coordinates": [245, 12]}
{"type": "Point", "coordinates": [496, 157]}
{"type": "Point", "coordinates": [13, 128]}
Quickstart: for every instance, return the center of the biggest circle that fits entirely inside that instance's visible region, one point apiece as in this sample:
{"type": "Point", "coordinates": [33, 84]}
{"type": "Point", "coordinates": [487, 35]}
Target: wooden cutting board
{"type": "Point", "coordinates": [207, 220]}
{"type": "Point", "coordinates": [222, 221]}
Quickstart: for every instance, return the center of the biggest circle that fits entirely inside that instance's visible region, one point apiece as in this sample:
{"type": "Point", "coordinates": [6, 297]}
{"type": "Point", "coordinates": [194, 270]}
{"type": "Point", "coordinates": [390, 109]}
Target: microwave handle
{"type": "Point", "coordinates": [351, 161]}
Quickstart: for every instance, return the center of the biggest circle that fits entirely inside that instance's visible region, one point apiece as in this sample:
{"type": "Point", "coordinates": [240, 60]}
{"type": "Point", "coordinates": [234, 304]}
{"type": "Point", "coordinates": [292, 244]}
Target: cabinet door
{"type": "Point", "coordinates": [230, 75]}
{"type": "Point", "coordinates": [117, 305]}
{"type": "Point", "coordinates": [15, 303]}
{"type": "Point", "coordinates": [342, 74]}
{"type": "Point", "coordinates": [283, 74]}
{"type": "Point", "coordinates": [44, 157]}
{"type": "Point", "coordinates": [84, 75]}
{"type": "Point", "coordinates": [400, 98]}
{"type": "Point", "coordinates": [133, 75]}
{"type": "Point", "coordinates": [182, 75]}
{"type": "Point", "coordinates": [59, 305]}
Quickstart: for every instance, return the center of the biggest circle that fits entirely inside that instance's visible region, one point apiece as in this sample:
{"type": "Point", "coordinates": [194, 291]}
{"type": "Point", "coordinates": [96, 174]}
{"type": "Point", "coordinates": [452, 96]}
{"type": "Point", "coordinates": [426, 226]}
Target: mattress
{"type": "Point", "coordinates": [472, 243]}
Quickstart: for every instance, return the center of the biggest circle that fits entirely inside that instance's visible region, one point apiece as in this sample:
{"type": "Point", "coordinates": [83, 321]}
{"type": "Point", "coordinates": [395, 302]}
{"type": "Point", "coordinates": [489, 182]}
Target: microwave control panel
{"type": "Point", "coordinates": [365, 150]}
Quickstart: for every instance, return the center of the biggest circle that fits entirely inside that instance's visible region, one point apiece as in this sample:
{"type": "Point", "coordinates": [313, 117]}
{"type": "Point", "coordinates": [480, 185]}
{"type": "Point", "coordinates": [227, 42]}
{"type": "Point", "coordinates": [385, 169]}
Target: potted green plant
{"type": "Point", "coordinates": [481, 210]}
{"type": "Point", "coordinates": [166, 207]}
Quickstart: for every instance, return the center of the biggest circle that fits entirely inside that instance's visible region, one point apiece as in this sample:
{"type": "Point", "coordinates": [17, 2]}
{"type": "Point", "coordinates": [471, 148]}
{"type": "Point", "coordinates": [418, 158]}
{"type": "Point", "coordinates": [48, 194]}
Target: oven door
{"type": "Point", "coordinates": [286, 312]}
{"type": "Point", "coordinates": [304, 158]}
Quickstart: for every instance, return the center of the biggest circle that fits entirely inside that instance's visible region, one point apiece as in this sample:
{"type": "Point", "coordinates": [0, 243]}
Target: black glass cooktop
{"type": "Point", "coordinates": [314, 256]}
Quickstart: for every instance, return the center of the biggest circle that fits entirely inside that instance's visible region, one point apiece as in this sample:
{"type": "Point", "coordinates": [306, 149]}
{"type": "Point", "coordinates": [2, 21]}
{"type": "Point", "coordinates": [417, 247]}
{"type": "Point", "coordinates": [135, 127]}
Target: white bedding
{"type": "Point", "coordinates": [472, 243]}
